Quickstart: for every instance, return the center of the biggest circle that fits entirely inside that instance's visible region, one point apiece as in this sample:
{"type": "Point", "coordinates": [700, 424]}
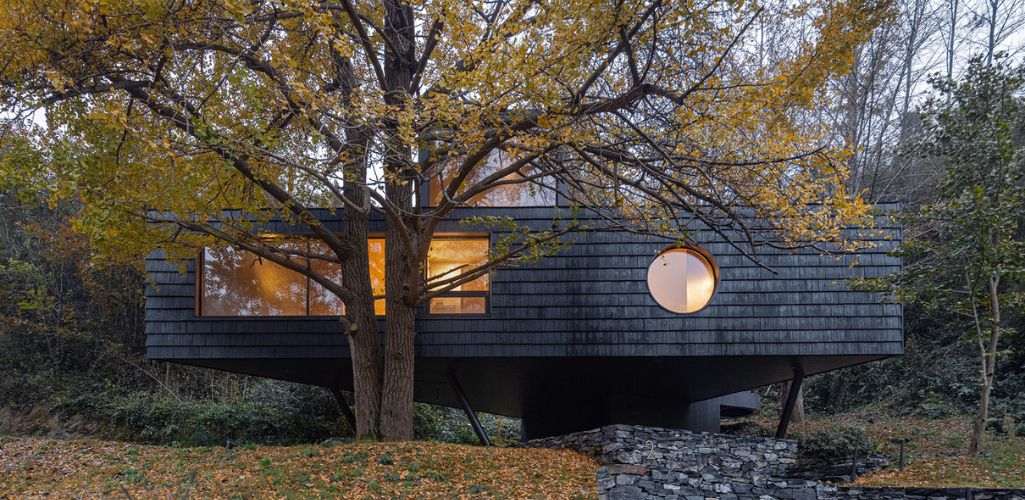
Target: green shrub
{"type": "Point", "coordinates": [834, 445]}
{"type": "Point", "coordinates": [450, 425]}
{"type": "Point", "coordinates": [160, 419]}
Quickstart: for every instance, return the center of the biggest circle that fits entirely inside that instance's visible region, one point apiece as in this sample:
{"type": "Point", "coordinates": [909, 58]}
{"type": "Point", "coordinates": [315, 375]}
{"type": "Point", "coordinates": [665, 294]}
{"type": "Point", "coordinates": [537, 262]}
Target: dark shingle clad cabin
{"type": "Point", "coordinates": [575, 340]}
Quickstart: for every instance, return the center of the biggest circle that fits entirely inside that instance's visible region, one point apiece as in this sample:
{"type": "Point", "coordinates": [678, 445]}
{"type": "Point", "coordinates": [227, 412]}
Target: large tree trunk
{"type": "Point", "coordinates": [402, 268]}
{"type": "Point", "coordinates": [397, 408]}
{"type": "Point", "coordinates": [364, 346]}
{"type": "Point", "coordinates": [401, 281]}
{"type": "Point", "coordinates": [361, 324]}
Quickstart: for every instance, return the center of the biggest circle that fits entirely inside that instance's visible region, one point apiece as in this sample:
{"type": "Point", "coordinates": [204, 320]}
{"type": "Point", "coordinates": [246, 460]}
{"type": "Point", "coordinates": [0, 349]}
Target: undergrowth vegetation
{"type": "Point", "coordinates": [77, 384]}
{"type": "Point", "coordinates": [936, 377]}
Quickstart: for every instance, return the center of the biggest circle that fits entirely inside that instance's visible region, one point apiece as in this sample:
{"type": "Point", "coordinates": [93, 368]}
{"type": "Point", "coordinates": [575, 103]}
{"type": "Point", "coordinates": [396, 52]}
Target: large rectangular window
{"type": "Point", "coordinates": [447, 259]}
{"type": "Point", "coordinates": [239, 283]}
{"type": "Point", "coordinates": [514, 190]}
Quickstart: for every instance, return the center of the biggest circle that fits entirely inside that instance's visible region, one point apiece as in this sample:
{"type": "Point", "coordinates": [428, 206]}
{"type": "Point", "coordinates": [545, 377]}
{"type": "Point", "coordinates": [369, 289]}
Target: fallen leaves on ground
{"type": "Point", "coordinates": [31, 467]}
{"type": "Point", "coordinates": [935, 449]}
{"type": "Point", "coordinates": [1001, 465]}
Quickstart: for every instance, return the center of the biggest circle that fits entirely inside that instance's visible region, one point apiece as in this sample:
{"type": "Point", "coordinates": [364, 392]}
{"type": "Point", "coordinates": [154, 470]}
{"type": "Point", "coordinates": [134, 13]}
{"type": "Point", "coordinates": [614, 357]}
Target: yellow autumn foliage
{"type": "Point", "coordinates": [148, 103]}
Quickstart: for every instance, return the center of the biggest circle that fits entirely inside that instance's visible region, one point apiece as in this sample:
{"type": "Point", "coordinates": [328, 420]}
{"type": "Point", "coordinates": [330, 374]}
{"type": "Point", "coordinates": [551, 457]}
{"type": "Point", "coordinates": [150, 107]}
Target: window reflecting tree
{"type": "Point", "coordinates": [526, 187]}
{"type": "Point", "coordinates": [238, 283]}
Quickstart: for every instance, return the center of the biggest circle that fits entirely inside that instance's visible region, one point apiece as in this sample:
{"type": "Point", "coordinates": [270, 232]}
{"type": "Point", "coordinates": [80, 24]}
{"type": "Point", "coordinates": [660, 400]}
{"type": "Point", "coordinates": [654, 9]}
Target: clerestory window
{"type": "Point", "coordinates": [523, 188]}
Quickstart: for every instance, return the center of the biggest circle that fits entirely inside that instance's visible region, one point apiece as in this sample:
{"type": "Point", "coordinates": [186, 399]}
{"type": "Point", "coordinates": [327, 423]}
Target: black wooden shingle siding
{"type": "Point", "coordinates": [590, 299]}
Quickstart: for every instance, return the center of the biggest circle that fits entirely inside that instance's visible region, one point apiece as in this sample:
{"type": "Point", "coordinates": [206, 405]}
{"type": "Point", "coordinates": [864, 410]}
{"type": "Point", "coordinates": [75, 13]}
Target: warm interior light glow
{"type": "Point", "coordinates": [458, 305]}
{"type": "Point", "coordinates": [376, 248]}
{"type": "Point", "coordinates": [446, 260]}
{"type": "Point", "coordinates": [322, 301]}
{"type": "Point", "coordinates": [681, 280]}
{"type": "Point", "coordinates": [325, 303]}
{"type": "Point", "coordinates": [238, 283]}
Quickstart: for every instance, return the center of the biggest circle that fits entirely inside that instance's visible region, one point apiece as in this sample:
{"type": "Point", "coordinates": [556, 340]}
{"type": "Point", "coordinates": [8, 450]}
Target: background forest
{"type": "Point", "coordinates": [71, 338]}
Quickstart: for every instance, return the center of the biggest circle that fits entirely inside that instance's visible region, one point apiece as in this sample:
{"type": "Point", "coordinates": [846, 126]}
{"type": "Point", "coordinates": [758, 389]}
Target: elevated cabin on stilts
{"type": "Point", "coordinates": [616, 327]}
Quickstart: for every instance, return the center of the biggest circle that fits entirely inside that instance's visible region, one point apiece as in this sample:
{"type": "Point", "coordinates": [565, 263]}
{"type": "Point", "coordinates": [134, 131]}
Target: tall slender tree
{"type": "Point", "coordinates": [968, 252]}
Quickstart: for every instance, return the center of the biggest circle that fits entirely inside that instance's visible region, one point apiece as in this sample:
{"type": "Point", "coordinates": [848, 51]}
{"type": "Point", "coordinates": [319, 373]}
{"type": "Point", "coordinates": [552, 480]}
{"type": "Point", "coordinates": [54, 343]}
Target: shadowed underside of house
{"type": "Point", "coordinates": [575, 340]}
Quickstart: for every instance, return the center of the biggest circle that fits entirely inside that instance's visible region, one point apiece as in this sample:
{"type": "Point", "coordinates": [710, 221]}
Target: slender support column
{"type": "Point", "coordinates": [788, 408]}
{"type": "Point", "coordinates": [343, 405]}
{"type": "Point", "coordinates": [470, 414]}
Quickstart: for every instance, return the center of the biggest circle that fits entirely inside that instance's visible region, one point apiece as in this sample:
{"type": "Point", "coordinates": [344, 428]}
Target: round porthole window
{"type": "Point", "coordinates": [682, 279]}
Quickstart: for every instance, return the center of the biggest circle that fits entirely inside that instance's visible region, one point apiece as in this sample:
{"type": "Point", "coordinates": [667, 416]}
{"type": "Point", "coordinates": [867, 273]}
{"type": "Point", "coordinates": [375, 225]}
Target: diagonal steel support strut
{"type": "Point", "coordinates": [788, 408]}
{"type": "Point", "coordinates": [470, 414]}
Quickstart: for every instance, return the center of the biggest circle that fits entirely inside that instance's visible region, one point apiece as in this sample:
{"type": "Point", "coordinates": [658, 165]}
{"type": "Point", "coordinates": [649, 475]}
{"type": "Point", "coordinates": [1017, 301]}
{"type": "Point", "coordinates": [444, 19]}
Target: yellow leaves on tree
{"type": "Point", "coordinates": [662, 106]}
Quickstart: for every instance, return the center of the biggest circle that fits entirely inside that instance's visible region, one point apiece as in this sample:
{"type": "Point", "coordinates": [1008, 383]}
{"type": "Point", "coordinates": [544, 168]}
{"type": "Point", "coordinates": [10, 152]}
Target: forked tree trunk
{"type": "Point", "coordinates": [402, 269]}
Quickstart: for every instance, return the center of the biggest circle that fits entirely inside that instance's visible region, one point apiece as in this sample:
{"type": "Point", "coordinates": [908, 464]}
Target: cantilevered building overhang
{"type": "Point", "coordinates": [575, 340]}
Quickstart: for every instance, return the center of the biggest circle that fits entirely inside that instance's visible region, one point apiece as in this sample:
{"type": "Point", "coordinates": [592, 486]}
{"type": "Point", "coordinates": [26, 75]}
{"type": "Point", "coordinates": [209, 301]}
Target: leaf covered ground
{"type": "Point", "coordinates": [32, 467]}
{"type": "Point", "coordinates": [936, 450]}
{"type": "Point", "coordinates": [937, 455]}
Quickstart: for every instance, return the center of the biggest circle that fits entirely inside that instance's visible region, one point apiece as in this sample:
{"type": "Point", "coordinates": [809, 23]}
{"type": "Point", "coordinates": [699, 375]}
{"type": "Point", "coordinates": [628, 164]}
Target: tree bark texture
{"type": "Point", "coordinates": [361, 327]}
{"type": "Point", "coordinates": [403, 272]}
